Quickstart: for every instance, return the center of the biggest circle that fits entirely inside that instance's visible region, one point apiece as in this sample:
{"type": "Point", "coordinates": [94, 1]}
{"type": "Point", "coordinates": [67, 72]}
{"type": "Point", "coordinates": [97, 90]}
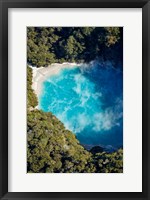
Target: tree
{"type": "Point", "coordinates": [46, 45]}
{"type": "Point", "coordinates": [52, 148]}
{"type": "Point", "coordinates": [31, 97]}
{"type": "Point", "coordinates": [112, 35]}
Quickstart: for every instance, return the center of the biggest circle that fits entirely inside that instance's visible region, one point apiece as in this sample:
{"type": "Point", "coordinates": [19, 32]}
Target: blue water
{"type": "Point", "coordinates": [89, 101]}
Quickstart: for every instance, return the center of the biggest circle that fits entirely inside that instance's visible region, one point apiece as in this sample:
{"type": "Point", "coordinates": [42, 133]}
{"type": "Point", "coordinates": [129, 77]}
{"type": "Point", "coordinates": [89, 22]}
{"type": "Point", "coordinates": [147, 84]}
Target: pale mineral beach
{"type": "Point", "coordinates": [42, 73]}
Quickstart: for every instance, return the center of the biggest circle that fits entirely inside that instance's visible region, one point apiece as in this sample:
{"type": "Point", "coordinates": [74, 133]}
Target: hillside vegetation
{"type": "Point", "coordinates": [50, 147]}
{"type": "Point", "coordinates": [46, 45]}
{"type": "Point", "coordinates": [31, 97]}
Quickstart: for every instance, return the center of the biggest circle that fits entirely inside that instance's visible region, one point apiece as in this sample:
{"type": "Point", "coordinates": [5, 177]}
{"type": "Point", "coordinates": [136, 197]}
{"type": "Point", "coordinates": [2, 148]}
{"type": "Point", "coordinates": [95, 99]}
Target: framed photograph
{"type": "Point", "coordinates": [74, 99]}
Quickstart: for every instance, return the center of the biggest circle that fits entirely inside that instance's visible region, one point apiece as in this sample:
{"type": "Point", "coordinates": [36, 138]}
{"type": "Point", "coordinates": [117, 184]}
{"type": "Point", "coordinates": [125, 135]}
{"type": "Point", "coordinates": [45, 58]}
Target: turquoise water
{"type": "Point", "coordinates": [88, 100]}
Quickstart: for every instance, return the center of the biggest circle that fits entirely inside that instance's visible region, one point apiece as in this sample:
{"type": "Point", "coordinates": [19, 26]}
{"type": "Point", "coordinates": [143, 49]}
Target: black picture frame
{"type": "Point", "coordinates": [4, 6]}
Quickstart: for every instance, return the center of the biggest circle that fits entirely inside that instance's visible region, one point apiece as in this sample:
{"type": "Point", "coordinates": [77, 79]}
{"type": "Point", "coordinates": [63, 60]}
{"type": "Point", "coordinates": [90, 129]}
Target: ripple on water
{"type": "Point", "coordinates": [88, 100]}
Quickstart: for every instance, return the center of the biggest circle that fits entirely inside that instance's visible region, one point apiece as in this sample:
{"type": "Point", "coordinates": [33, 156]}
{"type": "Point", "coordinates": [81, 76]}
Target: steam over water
{"type": "Point", "coordinates": [89, 101]}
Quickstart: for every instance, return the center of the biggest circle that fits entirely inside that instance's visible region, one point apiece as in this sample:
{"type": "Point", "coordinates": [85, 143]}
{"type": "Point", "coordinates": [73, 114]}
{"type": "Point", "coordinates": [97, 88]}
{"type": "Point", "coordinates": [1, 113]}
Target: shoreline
{"type": "Point", "coordinates": [42, 73]}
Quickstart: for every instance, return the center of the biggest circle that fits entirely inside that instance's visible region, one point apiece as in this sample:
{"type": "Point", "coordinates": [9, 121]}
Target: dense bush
{"type": "Point", "coordinates": [52, 148]}
{"type": "Point", "coordinates": [31, 96]}
{"type": "Point", "coordinates": [46, 45]}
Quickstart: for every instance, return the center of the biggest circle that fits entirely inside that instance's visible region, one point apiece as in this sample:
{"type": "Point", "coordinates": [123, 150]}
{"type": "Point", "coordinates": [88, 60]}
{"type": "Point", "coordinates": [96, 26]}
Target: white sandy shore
{"type": "Point", "coordinates": [42, 73]}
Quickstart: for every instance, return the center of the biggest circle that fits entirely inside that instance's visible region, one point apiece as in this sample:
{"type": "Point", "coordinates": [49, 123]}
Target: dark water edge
{"type": "Point", "coordinates": [108, 149]}
{"type": "Point", "coordinates": [97, 68]}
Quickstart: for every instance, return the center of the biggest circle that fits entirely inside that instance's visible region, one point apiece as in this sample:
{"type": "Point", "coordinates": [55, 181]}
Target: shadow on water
{"type": "Point", "coordinates": [109, 82]}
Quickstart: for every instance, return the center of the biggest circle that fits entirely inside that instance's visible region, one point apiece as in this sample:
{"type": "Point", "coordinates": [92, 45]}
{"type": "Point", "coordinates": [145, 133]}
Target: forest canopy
{"type": "Point", "coordinates": [50, 146]}
{"type": "Point", "coordinates": [46, 45]}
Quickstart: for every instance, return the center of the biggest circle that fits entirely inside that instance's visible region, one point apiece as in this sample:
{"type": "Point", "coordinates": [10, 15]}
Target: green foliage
{"type": "Point", "coordinates": [109, 162]}
{"type": "Point", "coordinates": [50, 147]}
{"type": "Point", "coordinates": [53, 149]}
{"type": "Point", "coordinates": [112, 35]}
{"type": "Point", "coordinates": [31, 97]}
{"type": "Point", "coordinates": [46, 45]}
{"type": "Point", "coordinates": [39, 43]}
